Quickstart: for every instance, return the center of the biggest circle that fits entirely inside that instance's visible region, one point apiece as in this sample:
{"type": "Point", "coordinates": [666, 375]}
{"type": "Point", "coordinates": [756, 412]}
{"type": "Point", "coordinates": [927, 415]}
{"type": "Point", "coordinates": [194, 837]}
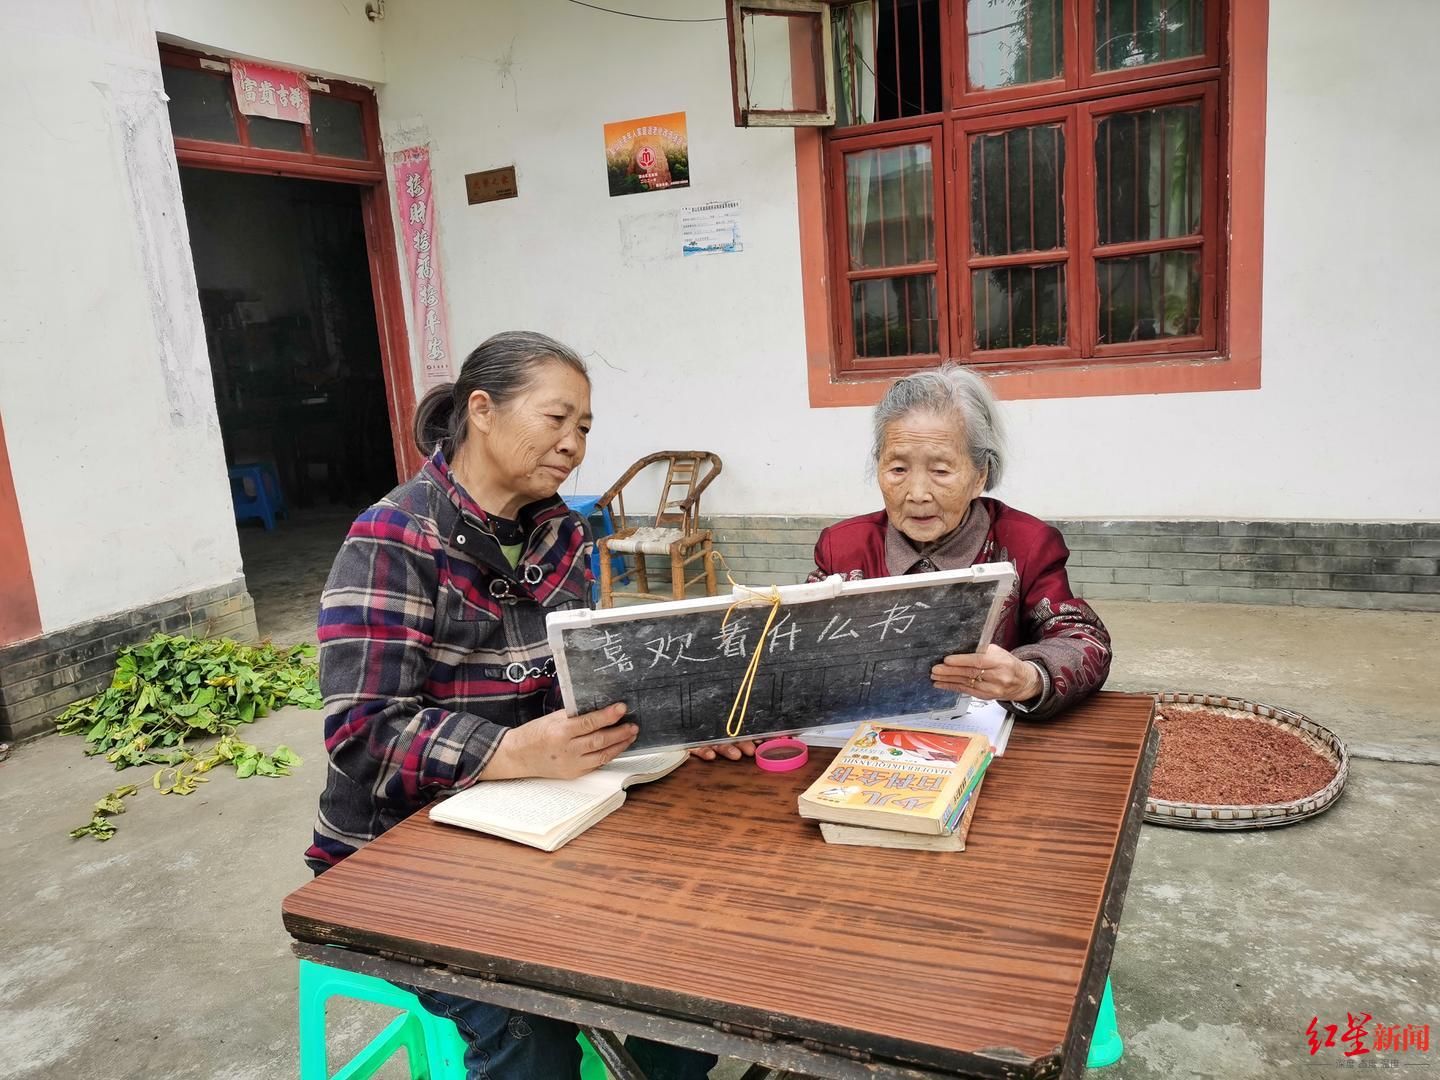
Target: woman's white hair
{"type": "Point", "coordinates": [948, 391]}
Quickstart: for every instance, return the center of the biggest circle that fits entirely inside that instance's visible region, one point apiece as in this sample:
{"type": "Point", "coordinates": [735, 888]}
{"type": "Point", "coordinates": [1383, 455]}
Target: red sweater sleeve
{"type": "Point", "coordinates": [1061, 632]}
{"type": "Point", "coordinates": [822, 558]}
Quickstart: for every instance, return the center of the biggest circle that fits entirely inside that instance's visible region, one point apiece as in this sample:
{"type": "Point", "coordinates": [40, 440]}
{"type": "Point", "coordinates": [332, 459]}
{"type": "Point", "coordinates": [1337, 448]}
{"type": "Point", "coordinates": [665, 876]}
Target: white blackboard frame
{"type": "Point", "coordinates": [984, 574]}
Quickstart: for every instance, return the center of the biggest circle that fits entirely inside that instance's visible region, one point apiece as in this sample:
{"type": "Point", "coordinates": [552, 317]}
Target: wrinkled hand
{"type": "Point", "coordinates": [561, 747]}
{"type": "Point", "coordinates": [994, 675]}
{"type": "Point", "coordinates": [734, 750]}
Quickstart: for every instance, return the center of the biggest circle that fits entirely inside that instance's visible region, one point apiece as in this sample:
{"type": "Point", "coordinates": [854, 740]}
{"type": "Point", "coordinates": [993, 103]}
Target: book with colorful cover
{"type": "Point", "coordinates": [865, 836]}
{"type": "Point", "coordinates": [902, 777]}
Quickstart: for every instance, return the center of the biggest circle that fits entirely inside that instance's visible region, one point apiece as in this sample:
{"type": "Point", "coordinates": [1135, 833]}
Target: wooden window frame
{"type": "Point", "coordinates": [932, 134]}
{"type": "Point", "coordinates": [1209, 243]}
{"type": "Point", "coordinates": [305, 162]}
{"type": "Point", "coordinates": [966, 96]}
{"type": "Point", "coordinates": [961, 132]}
{"type": "Point", "coordinates": [1226, 358]}
{"type": "Point", "coordinates": [1090, 78]}
{"type": "Point", "coordinates": [371, 177]}
{"type": "Point", "coordinates": [745, 114]}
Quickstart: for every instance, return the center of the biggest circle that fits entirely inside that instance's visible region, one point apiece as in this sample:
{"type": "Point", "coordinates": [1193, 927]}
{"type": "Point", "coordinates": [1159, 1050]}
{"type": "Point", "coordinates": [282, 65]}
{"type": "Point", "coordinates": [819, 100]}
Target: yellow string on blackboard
{"type": "Point", "coordinates": [735, 722]}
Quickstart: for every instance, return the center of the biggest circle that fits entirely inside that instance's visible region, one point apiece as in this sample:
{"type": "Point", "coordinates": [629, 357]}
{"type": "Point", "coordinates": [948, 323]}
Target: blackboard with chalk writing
{"type": "Point", "coordinates": [836, 651]}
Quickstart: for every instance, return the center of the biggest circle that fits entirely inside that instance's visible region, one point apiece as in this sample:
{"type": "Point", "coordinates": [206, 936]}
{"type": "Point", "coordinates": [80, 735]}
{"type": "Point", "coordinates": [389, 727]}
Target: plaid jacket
{"type": "Point", "coordinates": [431, 646]}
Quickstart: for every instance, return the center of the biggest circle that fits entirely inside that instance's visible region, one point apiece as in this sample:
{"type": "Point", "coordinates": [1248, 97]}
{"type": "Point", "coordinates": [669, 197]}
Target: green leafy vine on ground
{"type": "Point", "coordinates": [171, 689]}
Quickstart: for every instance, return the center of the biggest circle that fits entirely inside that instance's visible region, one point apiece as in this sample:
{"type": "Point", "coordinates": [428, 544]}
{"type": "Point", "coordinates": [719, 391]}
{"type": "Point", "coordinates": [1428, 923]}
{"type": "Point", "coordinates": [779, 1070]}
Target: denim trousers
{"type": "Point", "coordinates": [501, 1044]}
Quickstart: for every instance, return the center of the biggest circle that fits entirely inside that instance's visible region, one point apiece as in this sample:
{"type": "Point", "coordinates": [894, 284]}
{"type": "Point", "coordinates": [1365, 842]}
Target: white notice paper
{"type": "Point", "coordinates": [711, 228]}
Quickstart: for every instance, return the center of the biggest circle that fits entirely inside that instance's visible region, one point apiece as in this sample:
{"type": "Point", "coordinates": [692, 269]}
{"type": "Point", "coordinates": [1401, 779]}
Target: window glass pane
{"type": "Point", "coordinates": [1130, 33]}
{"type": "Point", "coordinates": [1149, 296]}
{"type": "Point", "coordinates": [1017, 190]}
{"type": "Point", "coordinates": [199, 104]}
{"type": "Point", "coordinates": [895, 316]}
{"type": "Point", "coordinates": [1147, 174]}
{"type": "Point", "coordinates": [275, 134]}
{"type": "Point", "coordinates": [887, 60]}
{"type": "Point", "coordinates": [1019, 306]}
{"type": "Point", "coordinates": [1012, 42]}
{"type": "Point", "coordinates": [337, 126]}
{"type": "Point", "coordinates": [889, 199]}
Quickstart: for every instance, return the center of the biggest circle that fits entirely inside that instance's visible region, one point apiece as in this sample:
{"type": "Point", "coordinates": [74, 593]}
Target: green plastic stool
{"type": "Point", "coordinates": [1105, 1045]}
{"type": "Point", "coordinates": [434, 1048]}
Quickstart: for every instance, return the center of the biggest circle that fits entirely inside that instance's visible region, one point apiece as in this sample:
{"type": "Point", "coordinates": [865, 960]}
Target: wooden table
{"type": "Point", "coordinates": [705, 912]}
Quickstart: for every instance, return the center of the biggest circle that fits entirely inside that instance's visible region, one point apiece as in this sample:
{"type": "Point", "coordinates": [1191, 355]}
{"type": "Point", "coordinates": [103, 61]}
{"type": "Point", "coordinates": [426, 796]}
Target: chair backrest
{"type": "Point", "coordinates": [687, 474]}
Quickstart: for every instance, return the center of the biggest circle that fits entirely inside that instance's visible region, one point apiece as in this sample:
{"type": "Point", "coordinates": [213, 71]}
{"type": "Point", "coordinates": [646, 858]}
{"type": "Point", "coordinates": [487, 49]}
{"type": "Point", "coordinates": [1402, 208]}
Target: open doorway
{"type": "Point", "coordinates": [284, 286]}
{"type": "Point", "coordinates": [285, 291]}
{"type": "Point", "coordinates": [299, 282]}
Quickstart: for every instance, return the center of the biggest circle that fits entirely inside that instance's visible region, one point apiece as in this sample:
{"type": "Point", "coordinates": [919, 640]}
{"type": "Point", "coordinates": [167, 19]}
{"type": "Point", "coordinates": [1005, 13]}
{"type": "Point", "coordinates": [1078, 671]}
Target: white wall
{"type": "Point", "coordinates": [701, 352]}
{"type": "Point", "coordinates": [104, 382]}
{"type": "Point", "coordinates": [1341, 427]}
{"type": "Point", "coordinates": [709, 351]}
{"type": "Point", "coordinates": [323, 37]}
{"type": "Point", "coordinates": [105, 387]}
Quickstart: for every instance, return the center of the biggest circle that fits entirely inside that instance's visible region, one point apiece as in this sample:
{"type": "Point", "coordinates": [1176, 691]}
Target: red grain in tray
{"type": "Point", "coordinates": [1215, 757]}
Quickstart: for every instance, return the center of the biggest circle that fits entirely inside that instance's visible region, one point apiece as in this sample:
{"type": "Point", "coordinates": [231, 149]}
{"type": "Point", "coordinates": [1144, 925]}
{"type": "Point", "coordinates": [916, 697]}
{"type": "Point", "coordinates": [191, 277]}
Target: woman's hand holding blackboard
{"type": "Point", "coordinates": [732, 750]}
{"type": "Point", "coordinates": [561, 747]}
{"type": "Point", "coordinates": [995, 675]}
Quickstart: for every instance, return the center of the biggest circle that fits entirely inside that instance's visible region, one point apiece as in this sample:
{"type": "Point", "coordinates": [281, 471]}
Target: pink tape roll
{"type": "Point", "coordinates": [781, 755]}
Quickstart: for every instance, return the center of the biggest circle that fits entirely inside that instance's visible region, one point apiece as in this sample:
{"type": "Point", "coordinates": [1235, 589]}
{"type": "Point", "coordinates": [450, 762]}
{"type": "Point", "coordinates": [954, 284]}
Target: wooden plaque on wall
{"type": "Point", "coordinates": [491, 185]}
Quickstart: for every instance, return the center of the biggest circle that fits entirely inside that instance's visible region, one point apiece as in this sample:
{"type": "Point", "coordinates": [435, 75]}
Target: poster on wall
{"type": "Point", "coordinates": [415, 205]}
{"type": "Point", "coordinates": [270, 91]}
{"type": "Point", "coordinates": [712, 228]}
{"type": "Point", "coordinates": [651, 153]}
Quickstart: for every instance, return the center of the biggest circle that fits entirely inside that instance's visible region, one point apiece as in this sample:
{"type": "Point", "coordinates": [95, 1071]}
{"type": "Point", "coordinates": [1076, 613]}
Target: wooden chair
{"type": "Point", "coordinates": [676, 531]}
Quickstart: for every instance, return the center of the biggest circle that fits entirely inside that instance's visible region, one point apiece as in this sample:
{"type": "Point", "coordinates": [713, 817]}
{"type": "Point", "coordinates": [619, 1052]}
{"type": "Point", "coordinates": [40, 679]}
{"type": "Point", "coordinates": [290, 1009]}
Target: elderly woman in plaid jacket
{"type": "Point", "coordinates": [433, 657]}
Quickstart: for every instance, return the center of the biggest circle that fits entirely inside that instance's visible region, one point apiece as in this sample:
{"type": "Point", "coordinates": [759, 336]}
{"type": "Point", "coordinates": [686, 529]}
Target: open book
{"type": "Point", "coordinates": [548, 813]}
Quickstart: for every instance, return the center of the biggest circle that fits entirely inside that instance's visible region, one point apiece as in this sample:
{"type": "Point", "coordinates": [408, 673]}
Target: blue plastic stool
{"type": "Point", "coordinates": [434, 1048]}
{"type": "Point", "coordinates": [272, 480]}
{"type": "Point", "coordinates": [1105, 1045]}
{"type": "Point", "coordinates": [255, 493]}
{"type": "Point", "coordinates": [584, 505]}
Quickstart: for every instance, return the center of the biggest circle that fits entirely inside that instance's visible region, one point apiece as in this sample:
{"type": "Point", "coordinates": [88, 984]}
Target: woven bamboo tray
{"type": "Point", "coordinates": [1258, 816]}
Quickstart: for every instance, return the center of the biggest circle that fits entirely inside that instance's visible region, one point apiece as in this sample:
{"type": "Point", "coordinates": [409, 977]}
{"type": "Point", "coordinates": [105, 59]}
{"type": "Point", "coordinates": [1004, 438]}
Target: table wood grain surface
{"type": "Point", "coordinates": [706, 896]}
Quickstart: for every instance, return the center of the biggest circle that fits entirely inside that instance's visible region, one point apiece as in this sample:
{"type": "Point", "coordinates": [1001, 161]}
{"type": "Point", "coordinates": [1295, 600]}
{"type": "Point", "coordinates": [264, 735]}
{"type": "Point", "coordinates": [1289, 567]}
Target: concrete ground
{"type": "Point", "coordinates": [160, 953]}
{"type": "Point", "coordinates": [286, 570]}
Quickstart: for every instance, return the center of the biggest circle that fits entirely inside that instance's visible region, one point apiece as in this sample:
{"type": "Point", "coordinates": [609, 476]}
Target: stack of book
{"type": "Point", "coordinates": [899, 786]}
